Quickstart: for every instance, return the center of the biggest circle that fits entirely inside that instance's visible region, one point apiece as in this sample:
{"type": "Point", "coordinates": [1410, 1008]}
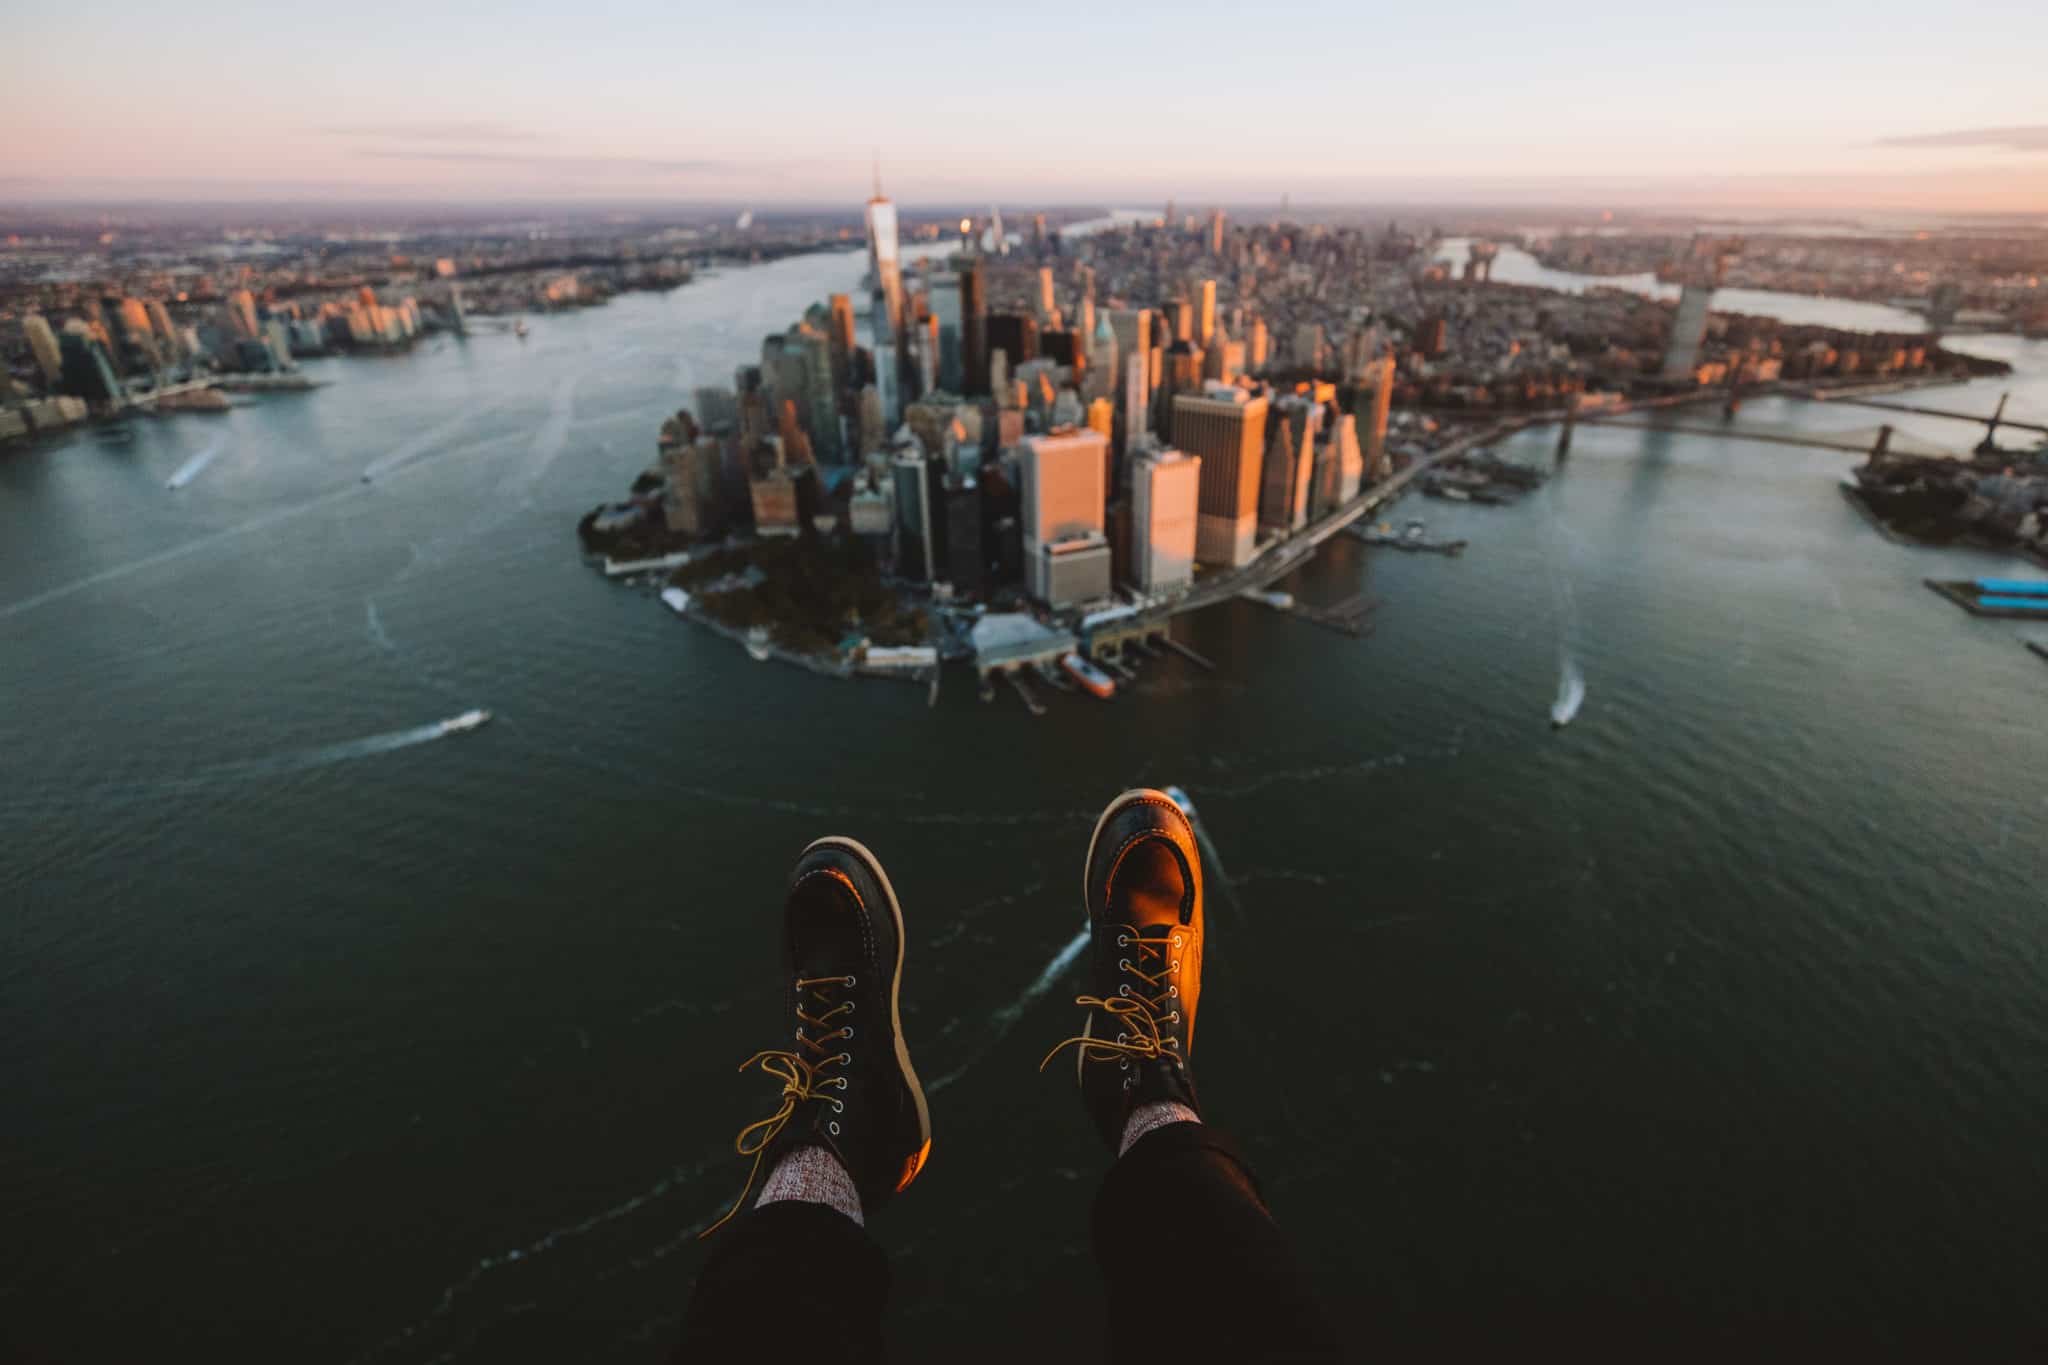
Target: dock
{"type": "Point", "coordinates": [1967, 594]}
{"type": "Point", "coordinates": [1186, 653]}
{"type": "Point", "coordinates": [1031, 703]}
{"type": "Point", "coordinates": [1411, 544]}
{"type": "Point", "coordinates": [1346, 617]}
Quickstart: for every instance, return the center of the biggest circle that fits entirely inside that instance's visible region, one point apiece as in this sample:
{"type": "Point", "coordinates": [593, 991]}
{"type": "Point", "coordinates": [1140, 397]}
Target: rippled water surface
{"type": "Point", "coordinates": [332, 1038]}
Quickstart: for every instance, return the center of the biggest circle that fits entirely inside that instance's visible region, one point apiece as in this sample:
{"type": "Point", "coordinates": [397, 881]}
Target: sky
{"type": "Point", "coordinates": [1768, 105]}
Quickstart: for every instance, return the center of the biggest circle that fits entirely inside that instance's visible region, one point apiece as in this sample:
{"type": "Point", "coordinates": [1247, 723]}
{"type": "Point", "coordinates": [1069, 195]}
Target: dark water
{"type": "Point", "coordinates": [331, 1041]}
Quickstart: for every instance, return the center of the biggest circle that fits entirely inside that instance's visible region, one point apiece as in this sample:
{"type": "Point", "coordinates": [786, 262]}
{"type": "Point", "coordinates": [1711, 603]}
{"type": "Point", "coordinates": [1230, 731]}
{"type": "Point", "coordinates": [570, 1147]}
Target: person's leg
{"type": "Point", "coordinates": [851, 1132]}
{"type": "Point", "coordinates": [1190, 1256]}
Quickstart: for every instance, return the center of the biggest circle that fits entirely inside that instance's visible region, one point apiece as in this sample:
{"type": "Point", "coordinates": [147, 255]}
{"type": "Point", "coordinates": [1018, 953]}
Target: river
{"type": "Point", "coordinates": [334, 1039]}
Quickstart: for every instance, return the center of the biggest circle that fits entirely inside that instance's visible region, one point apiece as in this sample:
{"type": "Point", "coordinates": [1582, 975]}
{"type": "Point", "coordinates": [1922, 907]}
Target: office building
{"type": "Point", "coordinates": [1256, 345]}
{"type": "Point", "coordinates": [1064, 492]}
{"type": "Point", "coordinates": [87, 370]}
{"type": "Point", "coordinates": [1308, 352]}
{"type": "Point", "coordinates": [42, 344]}
{"type": "Point", "coordinates": [1206, 320]}
{"type": "Point", "coordinates": [1181, 373]}
{"type": "Point", "coordinates": [1289, 472]}
{"type": "Point", "coordinates": [1075, 569]}
{"type": "Point", "coordinates": [966, 560]}
{"type": "Point", "coordinates": [1432, 336]}
{"type": "Point", "coordinates": [1132, 328]}
{"type": "Point", "coordinates": [882, 256]}
{"type": "Point", "coordinates": [839, 332]}
{"type": "Point", "coordinates": [1137, 396]}
{"type": "Point", "coordinates": [1370, 400]}
{"type": "Point", "coordinates": [1688, 330]}
{"type": "Point", "coordinates": [1165, 498]}
{"type": "Point", "coordinates": [1348, 457]}
{"type": "Point", "coordinates": [1103, 375]}
{"type": "Point", "coordinates": [1015, 335]}
{"type": "Point", "coordinates": [915, 558]}
{"type": "Point", "coordinates": [973, 285]}
{"type": "Point", "coordinates": [1226, 429]}
{"type": "Point", "coordinates": [1048, 308]}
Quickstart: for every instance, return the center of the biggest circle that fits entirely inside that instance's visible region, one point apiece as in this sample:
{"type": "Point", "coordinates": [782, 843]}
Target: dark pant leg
{"type": "Point", "coordinates": [788, 1272]}
{"type": "Point", "coordinates": [1193, 1264]}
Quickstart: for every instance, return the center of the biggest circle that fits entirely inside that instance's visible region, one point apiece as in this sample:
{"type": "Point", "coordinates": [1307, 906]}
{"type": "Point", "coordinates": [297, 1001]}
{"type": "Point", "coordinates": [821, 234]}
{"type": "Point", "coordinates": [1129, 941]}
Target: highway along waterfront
{"type": "Point", "coordinates": [336, 1034]}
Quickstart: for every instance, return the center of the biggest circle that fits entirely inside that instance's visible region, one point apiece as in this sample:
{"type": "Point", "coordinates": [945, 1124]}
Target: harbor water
{"type": "Point", "coordinates": [337, 1036]}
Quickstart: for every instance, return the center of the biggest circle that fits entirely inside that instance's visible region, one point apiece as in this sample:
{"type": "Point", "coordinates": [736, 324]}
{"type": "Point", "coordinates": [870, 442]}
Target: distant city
{"type": "Point", "coordinates": [1031, 444]}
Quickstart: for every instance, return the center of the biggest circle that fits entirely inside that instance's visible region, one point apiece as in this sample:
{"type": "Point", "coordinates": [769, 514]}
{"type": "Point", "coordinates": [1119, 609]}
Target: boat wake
{"type": "Point", "coordinates": [1571, 692]}
{"type": "Point", "coordinates": [190, 470]}
{"type": "Point", "coordinates": [1004, 1019]}
{"type": "Point", "coordinates": [176, 552]}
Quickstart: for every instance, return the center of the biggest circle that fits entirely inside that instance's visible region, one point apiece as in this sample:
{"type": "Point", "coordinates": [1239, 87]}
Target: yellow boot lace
{"type": "Point", "coordinates": [799, 1077]}
{"type": "Point", "coordinates": [1142, 1012]}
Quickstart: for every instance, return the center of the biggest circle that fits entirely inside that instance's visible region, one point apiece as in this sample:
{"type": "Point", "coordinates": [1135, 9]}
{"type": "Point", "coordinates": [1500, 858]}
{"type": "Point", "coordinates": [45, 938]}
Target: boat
{"type": "Point", "coordinates": [1571, 691]}
{"type": "Point", "coordinates": [468, 720]}
{"type": "Point", "coordinates": [678, 601]}
{"type": "Point", "coordinates": [758, 644]}
{"type": "Point", "coordinates": [1088, 675]}
{"type": "Point", "coordinates": [519, 329]}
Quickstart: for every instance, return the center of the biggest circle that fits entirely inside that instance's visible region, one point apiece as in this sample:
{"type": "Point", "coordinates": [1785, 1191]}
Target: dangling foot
{"type": "Point", "coordinates": [1142, 884]}
{"type": "Point", "coordinates": [848, 1088]}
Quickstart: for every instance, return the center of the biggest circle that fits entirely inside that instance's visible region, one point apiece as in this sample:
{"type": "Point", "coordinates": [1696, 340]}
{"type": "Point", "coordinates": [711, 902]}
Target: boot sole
{"type": "Point", "coordinates": [915, 1163]}
{"type": "Point", "coordinates": [1135, 794]}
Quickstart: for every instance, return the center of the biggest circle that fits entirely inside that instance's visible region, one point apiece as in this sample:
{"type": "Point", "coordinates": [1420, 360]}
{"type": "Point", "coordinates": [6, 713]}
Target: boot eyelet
{"type": "Point", "coordinates": [1123, 990]}
{"type": "Point", "coordinates": [833, 1128]}
{"type": "Point", "coordinates": [1173, 990]}
{"type": "Point", "coordinates": [849, 979]}
{"type": "Point", "coordinates": [849, 1007]}
{"type": "Point", "coordinates": [846, 1059]}
{"type": "Point", "coordinates": [1123, 940]}
{"type": "Point", "coordinates": [1123, 964]}
{"type": "Point", "coordinates": [1123, 1064]}
{"type": "Point", "coordinates": [839, 1106]}
{"type": "Point", "coordinates": [846, 1032]}
{"type": "Point", "coordinates": [1123, 1037]}
{"type": "Point", "coordinates": [1176, 940]}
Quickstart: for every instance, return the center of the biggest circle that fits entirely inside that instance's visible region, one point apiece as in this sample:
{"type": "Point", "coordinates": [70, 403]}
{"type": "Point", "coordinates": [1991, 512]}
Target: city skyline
{"type": "Point", "coordinates": [1764, 109]}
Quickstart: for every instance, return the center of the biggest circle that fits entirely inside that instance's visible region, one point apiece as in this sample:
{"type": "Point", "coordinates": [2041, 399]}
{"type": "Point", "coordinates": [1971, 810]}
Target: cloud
{"type": "Point", "coordinates": [2024, 137]}
{"type": "Point", "coordinates": [434, 132]}
{"type": "Point", "coordinates": [546, 162]}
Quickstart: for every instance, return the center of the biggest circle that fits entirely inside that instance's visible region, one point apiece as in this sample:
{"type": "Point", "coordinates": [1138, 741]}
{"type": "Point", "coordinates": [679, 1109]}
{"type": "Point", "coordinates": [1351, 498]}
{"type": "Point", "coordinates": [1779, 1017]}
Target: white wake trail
{"type": "Point", "coordinates": [190, 470]}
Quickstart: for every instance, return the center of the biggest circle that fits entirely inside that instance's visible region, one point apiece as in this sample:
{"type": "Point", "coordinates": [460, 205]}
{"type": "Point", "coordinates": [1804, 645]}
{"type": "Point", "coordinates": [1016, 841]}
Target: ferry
{"type": "Point", "coordinates": [759, 644]}
{"type": "Point", "coordinates": [1088, 675]}
{"type": "Point", "coordinates": [519, 329]}
{"type": "Point", "coordinates": [468, 720]}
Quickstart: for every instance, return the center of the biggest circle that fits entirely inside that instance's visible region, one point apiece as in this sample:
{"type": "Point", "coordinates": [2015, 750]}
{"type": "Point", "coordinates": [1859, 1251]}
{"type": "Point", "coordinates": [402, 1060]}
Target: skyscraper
{"type": "Point", "coordinates": [1137, 396]}
{"type": "Point", "coordinates": [840, 333]}
{"type": "Point", "coordinates": [1133, 330]}
{"type": "Point", "coordinates": [914, 551]}
{"type": "Point", "coordinates": [882, 255]}
{"type": "Point", "coordinates": [973, 323]}
{"type": "Point", "coordinates": [1369, 404]}
{"type": "Point", "coordinates": [42, 343]}
{"type": "Point", "coordinates": [1290, 464]}
{"type": "Point", "coordinates": [1165, 496]}
{"type": "Point", "coordinates": [1063, 496]}
{"type": "Point", "coordinates": [1226, 429]}
{"type": "Point", "coordinates": [1207, 316]}
{"type": "Point", "coordinates": [1688, 330]}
